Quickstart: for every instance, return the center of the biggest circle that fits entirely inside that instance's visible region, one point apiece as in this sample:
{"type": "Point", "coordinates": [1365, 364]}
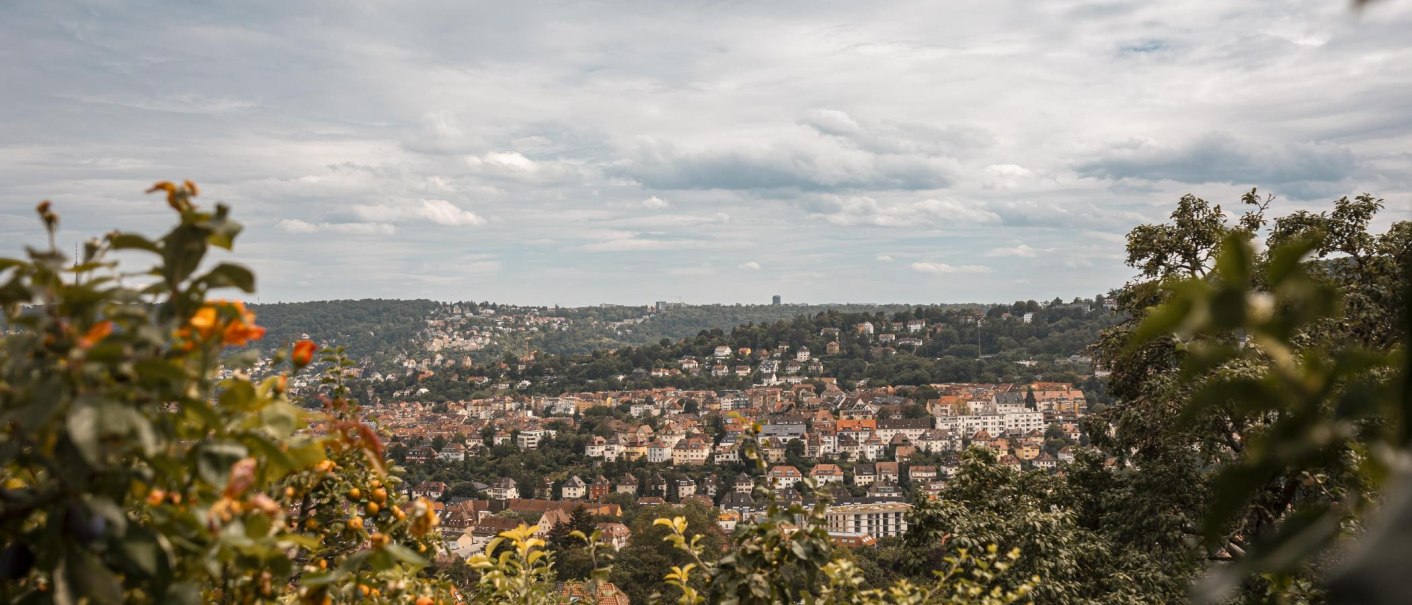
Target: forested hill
{"type": "Point", "coordinates": [373, 328]}
{"type": "Point", "coordinates": [364, 327]}
{"type": "Point", "coordinates": [942, 342]}
{"type": "Point", "coordinates": [607, 327]}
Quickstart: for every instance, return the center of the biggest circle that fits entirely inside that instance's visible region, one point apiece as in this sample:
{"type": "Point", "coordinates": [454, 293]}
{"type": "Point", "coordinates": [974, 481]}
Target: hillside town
{"type": "Point", "coordinates": [870, 450]}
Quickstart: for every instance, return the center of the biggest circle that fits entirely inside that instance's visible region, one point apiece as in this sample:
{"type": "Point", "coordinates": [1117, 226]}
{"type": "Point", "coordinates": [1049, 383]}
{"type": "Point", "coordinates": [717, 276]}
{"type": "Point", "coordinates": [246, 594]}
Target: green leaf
{"type": "Point", "coordinates": [405, 555]}
{"type": "Point", "coordinates": [1303, 534]}
{"type": "Point", "coordinates": [277, 461]}
{"type": "Point", "coordinates": [1286, 259]}
{"type": "Point", "coordinates": [132, 241]}
{"type": "Point", "coordinates": [82, 428]}
{"type": "Point", "coordinates": [103, 507]}
{"type": "Point", "coordinates": [238, 395]}
{"type": "Point", "coordinates": [1161, 321]}
{"type": "Point", "coordinates": [140, 548]}
{"type": "Point", "coordinates": [257, 526]}
{"type": "Point", "coordinates": [1233, 263]}
{"type": "Point", "coordinates": [183, 593]}
{"type": "Point", "coordinates": [1232, 488]}
{"type": "Point", "coordinates": [226, 275]}
{"type": "Point", "coordinates": [213, 460]}
{"type": "Point", "coordinates": [183, 250]}
{"type": "Point", "coordinates": [87, 578]}
{"type": "Point", "coordinates": [280, 418]}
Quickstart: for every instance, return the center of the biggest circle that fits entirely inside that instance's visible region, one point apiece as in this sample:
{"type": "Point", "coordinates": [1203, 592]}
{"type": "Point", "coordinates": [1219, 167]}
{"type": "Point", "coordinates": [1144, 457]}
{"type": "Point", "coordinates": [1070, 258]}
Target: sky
{"type": "Point", "coordinates": [629, 152]}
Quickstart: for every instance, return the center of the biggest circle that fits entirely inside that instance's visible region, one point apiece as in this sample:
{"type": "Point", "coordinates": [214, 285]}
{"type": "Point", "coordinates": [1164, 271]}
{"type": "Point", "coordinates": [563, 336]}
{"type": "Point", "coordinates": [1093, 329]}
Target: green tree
{"type": "Point", "coordinates": [135, 471]}
{"type": "Point", "coordinates": [1251, 381]}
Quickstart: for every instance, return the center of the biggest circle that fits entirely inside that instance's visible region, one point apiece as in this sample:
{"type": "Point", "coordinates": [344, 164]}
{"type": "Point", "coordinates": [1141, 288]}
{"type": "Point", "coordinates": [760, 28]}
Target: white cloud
{"type": "Point", "coordinates": [701, 271]}
{"type": "Point", "coordinates": [511, 161]}
{"type": "Point", "coordinates": [836, 131]}
{"type": "Point", "coordinates": [440, 212]}
{"type": "Point", "coordinates": [1021, 250]}
{"type": "Point", "coordinates": [941, 268]}
{"type": "Point", "coordinates": [1006, 176]}
{"type": "Point", "coordinates": [294, 225]}
{"type": "Point", "coordinates": [640, 245]}
{"type": "Point", "coordinates": [651, 203]}
{"type": "Point", "coordinates": [929, 213]}
{"type": "Point", "coordinates": [751, 265]}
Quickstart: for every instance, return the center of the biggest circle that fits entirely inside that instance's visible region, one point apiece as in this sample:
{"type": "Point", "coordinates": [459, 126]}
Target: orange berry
{"type": "Point", "coordinates": [312, 524]}
{"type": "Point", "coordinates": [155, 497]}
{"type": "Point", "coordinates": [355, 493]}
{"type": "Point", "coordinates": [379, 495]}
{"type": "Point", "coordinates": [356, 523]}
{"type": "Point", "coordinates": [424, 601]}
{"type": "Point", "coordinates": [373, 508]}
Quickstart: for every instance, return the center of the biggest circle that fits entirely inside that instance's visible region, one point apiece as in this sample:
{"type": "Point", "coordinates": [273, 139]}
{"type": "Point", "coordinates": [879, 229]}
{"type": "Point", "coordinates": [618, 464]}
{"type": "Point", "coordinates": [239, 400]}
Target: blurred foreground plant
{"type": "Point", "coordinates": [140, 463]}
{"type": "Point", "coordinates": [1331, 419]}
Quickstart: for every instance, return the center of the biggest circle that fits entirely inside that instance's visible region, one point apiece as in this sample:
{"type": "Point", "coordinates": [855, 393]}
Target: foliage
{"type": "Point", "coordinates": [139, 468]}
{"type": "Point", "coordinates": [1279, 373]}
{"type": "Point", "coordinates": [364, 328]}
{"type": "Point", "coordinates": [787, 556]}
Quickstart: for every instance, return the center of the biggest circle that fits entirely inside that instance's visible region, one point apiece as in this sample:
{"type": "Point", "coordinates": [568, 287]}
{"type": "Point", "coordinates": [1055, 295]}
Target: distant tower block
{"type": "Point", "coordinates": [661, 306]}
{"type": "Point", "coordinates": [775, 301]}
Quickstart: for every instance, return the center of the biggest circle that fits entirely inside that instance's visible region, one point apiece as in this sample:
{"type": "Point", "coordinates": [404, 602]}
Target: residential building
{"type": "Point", "coordinates": [627, 485]}
{"type": "Point", "coordinates": [824, 474]}
{"type": "Point", "coordinates": [784, 476]}
{"type": "Point", "coordinates": [503, 489]}
{"type": "Point", "coordinates": [880, 520]}
{"type": "Point", "coordinates": [574, 489]}
{"type": "Point", "coordinates": [600, 488]}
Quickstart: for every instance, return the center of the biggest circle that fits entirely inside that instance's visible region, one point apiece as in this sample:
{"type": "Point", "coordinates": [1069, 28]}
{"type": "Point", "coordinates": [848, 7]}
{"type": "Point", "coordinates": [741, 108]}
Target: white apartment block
{"type": "Point", "coordinates": [993, 423]}
{"type": "Point", "coordinates": [878, 520]}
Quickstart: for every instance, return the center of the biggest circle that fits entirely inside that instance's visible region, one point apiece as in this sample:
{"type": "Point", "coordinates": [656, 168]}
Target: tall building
{"type": "Point", "coordinates": [661, 306]}
{"type": "Point", "coordinates": [775, 301]}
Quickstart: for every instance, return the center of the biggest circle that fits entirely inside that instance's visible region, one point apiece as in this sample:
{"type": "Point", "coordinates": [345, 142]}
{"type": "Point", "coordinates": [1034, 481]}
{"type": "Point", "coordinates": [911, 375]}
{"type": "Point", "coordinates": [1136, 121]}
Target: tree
{"type": "Point", "coordinates": [1213, 378]}
{"type": "Point", "coordinates": [134, 472]}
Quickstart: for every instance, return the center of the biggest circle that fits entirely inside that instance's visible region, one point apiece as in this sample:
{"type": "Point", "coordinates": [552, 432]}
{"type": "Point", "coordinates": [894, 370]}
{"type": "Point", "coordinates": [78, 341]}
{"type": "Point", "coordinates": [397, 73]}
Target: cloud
{"type": "Point", "coordinates": [635, 244]}
{"type": "Point", "coordinates": [930, 213]}
{"type": "Point", "coordinates": [294, 225]}
{"type": "Point", "coordinates": [1222, 158]}
{"type": "Point", "coordinates": [812, 161]}
{"type": "Point", "coordinates": [1020, 250]}
{"type": "Point", "coordinates": [701, 271]}
{"type": "Point", "coordinates": [505, 161]}
{"type": "Point", "coordinates": [1144, 47]}
{"type": "Point", "coordinates": [440, 212]}
{"type": "Point", "coordinates": [942, 268]}
{"type": "Point", "coordinates": [651, 203]}
{"type": "Point", "coordinates": [1005, 176]}
{"type": "Point", "coordinates": [514, 166]}
{"type": "Point", "coordinates": [181, 103]}
{"type": "Point", "coordinates": [916, 138]}
{"type": "Point", "coordinates": [751, 265]}
{"type": "Point", "coordinates": [906, 131]}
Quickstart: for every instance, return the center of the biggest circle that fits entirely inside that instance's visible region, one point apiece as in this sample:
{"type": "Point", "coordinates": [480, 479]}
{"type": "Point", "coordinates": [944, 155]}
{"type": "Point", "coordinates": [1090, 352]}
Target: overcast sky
{"type": "Point", "coordinates": [703, 151]}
